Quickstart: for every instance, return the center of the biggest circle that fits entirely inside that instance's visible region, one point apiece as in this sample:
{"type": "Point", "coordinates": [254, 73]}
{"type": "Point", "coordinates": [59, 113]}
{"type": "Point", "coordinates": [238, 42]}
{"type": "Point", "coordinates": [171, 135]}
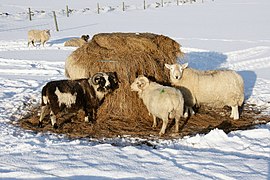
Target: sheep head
{"type": "Point", "coordinates": [140, 83]}
{"type": "Point", "coordinates": [176, 70]}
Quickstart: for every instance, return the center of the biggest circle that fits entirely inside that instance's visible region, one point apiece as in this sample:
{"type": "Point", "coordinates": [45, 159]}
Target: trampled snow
{"type": "Point", "coordinates": [215, 34]}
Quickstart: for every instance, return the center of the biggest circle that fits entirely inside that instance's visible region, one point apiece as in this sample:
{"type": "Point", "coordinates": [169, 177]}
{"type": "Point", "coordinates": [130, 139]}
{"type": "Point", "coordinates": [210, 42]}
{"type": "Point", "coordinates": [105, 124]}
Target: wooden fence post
{"type": "Point", "coordinates": [98, 8]}
{"type": "Point", "coordinates": [29, 11]}
{"type": "Point", "coordinates": [55, 21]}
{"type": "Point", "coordinates": [161, 3]}
{"type": "Point", "coordinates": [123, 6]}
{"type": "Point", "coordinates": [67, 11]}
{"type": "Point", "coordinates": [144, 4]}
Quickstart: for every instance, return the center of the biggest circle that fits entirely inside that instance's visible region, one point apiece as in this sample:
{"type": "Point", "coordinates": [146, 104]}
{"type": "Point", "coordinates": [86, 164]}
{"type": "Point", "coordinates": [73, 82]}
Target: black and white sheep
{"type": "Point", "coordinates": [163, 102]}
{"type": "Point", "coordinates": [86, 94]}
{"type": "Point", "coordinates": [41, 36]}
{"type": "Point", "coordinates": [214, 88]}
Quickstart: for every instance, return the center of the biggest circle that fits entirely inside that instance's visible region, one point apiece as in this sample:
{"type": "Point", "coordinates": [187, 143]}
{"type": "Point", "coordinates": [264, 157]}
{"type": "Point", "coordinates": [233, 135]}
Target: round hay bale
{"type": "Point", "coordinates": [128, 54]}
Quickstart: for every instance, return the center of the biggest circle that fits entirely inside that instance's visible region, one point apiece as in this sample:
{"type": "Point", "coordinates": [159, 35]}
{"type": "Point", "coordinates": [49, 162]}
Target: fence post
{"type": "Point", "coordinates": [67, 10]}
{"type": "Point", "coordinates": [98, 8]}
{"type": "Point", "coordinates": [29, 11]}
{"type": "Point", "coordinates": [144, 4]}
{"type": "Point", "coordinates": [55, 21]}
{"type": "Point", "coordinates": [161, 3]}
{"type": "Point", "coordinates": [123, 6]}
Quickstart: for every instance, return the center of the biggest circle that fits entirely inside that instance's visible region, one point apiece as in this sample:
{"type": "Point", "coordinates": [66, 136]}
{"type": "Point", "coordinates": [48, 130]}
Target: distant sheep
{"type": "Point", "coordinates": [161, 101]}
{"type": "Point", "coordinates": [77, 42]}
{"type": "Point", "coordinates": [216, 88]}
{"type": "Point", "coordinates": [41, 36]}
{"type": "Point", "coordinates": [86, 94]}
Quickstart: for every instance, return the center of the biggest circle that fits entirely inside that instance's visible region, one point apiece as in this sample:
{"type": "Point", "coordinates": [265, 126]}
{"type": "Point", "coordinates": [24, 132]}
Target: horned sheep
{"type": "Point", "coordinates": [41, 36]}
{"type": "Point", "coordinates": [77, 42]}
{"type": "Point", "coordinates": [161, 101]}
{"type": "Point", "coordinates": [214, 88]}
{"type": "Point", "coordinates": [86, 94]}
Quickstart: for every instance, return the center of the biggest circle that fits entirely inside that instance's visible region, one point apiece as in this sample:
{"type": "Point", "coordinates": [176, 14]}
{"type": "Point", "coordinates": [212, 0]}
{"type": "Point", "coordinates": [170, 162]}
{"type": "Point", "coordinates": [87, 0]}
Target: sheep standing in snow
{"type": "Point", "coordinates": [77, 42]}
{"type": "Point", "coordinates": [161, 101]}
{"type": "Point", "coordinates": [215, 88]}
{"type": "Point", "coordinates": [41, 36]}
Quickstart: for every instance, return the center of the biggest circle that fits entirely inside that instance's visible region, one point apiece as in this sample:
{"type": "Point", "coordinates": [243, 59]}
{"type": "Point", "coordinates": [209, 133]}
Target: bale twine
{"type": "Point", "coordinates": [128, 54]}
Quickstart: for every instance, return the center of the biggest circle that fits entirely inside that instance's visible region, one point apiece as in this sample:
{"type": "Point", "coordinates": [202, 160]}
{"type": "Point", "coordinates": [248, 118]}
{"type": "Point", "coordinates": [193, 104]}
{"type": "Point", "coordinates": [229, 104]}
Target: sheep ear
{"type": "Point", "coordinates": [184, 66]}
{"type": "Point", "coordinates": [168, 66]}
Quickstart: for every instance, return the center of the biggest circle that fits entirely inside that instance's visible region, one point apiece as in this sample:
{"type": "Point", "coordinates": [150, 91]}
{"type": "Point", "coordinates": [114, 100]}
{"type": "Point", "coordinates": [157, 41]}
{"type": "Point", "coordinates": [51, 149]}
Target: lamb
{"type": "Point", "coordinates": [214, 88]}
{"type": "Point", "coordinates": [161, 101]}
{"type": "Point", "coordinates": [38, 36]}
{"type": "Point", "coordinates": [77, 42]}
{"type": "Point", "coordinates": [86, 94]}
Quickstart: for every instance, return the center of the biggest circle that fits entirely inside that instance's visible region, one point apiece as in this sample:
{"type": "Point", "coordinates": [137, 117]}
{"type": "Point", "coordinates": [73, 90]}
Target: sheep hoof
{"type": "Point", "coordinates": [40, 125]}
{"type": "Point", "coordinates": [185, 115]}
{"type": "Point", "coordinates": [55, 126]}
{"type": "Point", "coordinates": [161, 133]}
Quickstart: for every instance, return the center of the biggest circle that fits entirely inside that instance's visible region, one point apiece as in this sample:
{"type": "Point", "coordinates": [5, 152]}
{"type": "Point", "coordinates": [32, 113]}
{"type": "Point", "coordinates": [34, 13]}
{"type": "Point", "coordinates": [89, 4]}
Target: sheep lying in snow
{"type": "Point", "coordinates": [161, 101]}
{"type": "Point", "coordinates": [77, 42]}
{"type": "Point", "coordinates": [86, 94]}
{"type": "Point", "coordinates": [41, 36]}
{"type": "Point", "coordinates": [216, 88]}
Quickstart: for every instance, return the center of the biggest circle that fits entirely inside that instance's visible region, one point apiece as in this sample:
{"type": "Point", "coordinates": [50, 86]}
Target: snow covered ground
{"type": "Point", "coordinates": [215, 34]}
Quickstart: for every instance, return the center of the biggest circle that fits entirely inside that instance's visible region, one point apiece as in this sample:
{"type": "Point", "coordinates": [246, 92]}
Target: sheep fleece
{"type": "Point", "coordinates": [216, 88]}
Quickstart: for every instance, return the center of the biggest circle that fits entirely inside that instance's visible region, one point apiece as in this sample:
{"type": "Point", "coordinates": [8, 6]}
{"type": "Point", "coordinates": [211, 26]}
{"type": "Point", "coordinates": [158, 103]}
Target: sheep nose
{"type": "Point", "coordinates": [176, 77]}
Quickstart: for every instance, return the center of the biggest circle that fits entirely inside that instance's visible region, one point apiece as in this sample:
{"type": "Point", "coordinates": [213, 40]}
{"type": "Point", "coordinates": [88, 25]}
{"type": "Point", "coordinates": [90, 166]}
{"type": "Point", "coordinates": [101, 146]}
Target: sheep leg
{"type": "Point", "coordinates": [42, 115]}
{"type": "Point", "coordinates": [191, 111]}
{"type": "Point", "coordinates": [235, 112]}
{"type": "Point", "coordinates": [154, 122]}
{"type": "Point", "coordinates": [53, 120]}
{"type": "Point", "coordinates": [164, 126]}
{"type": "Point", "coordinates": [177, 119]}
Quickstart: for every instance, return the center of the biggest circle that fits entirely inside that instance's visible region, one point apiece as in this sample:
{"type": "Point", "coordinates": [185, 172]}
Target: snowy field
{"type": "Point", "coordinates": [216, 34]}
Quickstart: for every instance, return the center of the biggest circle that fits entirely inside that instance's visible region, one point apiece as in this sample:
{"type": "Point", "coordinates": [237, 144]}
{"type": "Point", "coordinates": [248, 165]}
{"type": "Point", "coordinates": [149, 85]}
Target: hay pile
{"type": "Point", "coordinates": [129, 55]}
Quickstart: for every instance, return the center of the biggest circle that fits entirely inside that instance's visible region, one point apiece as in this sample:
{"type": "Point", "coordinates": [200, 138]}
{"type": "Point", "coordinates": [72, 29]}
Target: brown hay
{"type": "Point", "coordinates": [203, 122]}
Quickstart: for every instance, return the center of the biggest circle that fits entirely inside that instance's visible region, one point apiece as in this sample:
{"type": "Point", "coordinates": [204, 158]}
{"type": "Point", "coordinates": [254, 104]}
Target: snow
{"type": "Point", "coordinates": [215, 34]}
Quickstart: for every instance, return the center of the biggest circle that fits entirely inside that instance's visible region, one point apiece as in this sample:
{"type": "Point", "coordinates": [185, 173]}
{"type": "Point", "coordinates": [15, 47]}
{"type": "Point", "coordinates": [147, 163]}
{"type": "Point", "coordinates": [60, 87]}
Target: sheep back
{"type": "Point", "coordinates": [75, 42]}
{"type": "Point", "coordinates": [162, 100]}
{"type": "Point", "coordinates": [216, 88]}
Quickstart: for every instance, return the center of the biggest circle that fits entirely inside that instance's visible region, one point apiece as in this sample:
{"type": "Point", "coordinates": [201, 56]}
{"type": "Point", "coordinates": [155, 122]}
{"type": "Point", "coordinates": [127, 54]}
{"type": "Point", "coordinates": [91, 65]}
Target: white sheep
{"type": "Point", "coordinates": [161, 101]}
{"type": "Point", "coordinates": [41, 36]}
{"type": "Point", "coordinates": [215, 88]}
{"type": "Point", "coordinates": [77, 42]}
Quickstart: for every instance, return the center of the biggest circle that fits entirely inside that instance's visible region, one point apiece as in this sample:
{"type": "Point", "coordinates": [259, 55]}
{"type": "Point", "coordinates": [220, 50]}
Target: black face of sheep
{"type": "Point", "coordinates": [107, 82]}
{"type": "Point", "coordinates": [86, 94]}
{"type": "Point", "coordinates": [85, 37]}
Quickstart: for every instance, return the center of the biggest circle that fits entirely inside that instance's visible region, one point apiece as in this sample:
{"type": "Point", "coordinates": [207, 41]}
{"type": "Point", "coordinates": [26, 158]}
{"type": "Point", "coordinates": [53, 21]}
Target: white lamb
{"type": "Point", "coordinates": [161, 101]}
{"type": "Point", "coordinates": [214, 88]}
{"type": "Point", "coordinates": [41, 36]}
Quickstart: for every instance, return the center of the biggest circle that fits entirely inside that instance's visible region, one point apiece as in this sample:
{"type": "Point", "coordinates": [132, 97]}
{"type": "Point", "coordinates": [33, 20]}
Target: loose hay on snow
{"type": "Point", "coordinates": [122, 112]}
